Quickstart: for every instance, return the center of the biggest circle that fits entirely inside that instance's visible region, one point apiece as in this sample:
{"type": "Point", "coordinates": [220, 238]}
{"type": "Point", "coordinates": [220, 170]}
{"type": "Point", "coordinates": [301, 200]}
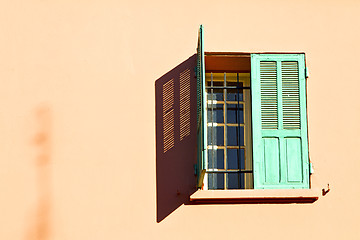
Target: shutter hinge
{"type": "Point", "coordinates": [201, 179]}
{"type": "Point", "coordinates": [306, 72]}
{"type": "Point", "coordinates": [311, 169]}
{"type": "Point", "coordinates": [195, 71]}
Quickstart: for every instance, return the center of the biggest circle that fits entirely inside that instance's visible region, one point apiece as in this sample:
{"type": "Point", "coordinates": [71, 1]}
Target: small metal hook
{"type": "Point", "coordinates": [324, 192]}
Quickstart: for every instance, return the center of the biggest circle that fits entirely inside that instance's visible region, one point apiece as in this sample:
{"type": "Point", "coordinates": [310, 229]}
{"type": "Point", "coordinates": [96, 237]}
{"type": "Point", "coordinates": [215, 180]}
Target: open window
{"type": "Point", "coordinates": [252, 122]}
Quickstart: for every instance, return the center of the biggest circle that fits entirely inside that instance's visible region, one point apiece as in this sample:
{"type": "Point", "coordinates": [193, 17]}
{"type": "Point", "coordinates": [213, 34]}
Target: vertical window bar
{"type": "Point", "coordinates": [212, 122]}
{"type": "Point", "coordinates": [213, 183]}
{"type": "Point", "coordinates": [238, 128]}
{"type": "Point", "coordinates": [225, 131]}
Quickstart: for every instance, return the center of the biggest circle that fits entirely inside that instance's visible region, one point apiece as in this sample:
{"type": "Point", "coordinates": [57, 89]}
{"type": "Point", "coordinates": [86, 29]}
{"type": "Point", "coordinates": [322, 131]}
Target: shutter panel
{"type": "Point", "coordinates": [280, 142]}
{"type": "Point", "coordinates": [201, 105]}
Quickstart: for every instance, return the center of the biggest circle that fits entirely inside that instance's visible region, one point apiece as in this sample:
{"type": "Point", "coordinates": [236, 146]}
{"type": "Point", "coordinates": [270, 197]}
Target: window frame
{"type": "Point", "coordinates": [253, 68]}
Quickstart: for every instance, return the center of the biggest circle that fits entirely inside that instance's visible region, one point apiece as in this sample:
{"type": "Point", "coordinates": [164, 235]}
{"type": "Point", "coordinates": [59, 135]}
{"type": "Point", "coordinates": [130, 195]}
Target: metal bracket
{"type": "Point", "coordinates": [306, 72]}
{"type": "Point", "coordinates": [311, 169]}
{"type": "Point", "coordinates": [201, 179]}
{"type": "Point", "coordinates": [325, 191]}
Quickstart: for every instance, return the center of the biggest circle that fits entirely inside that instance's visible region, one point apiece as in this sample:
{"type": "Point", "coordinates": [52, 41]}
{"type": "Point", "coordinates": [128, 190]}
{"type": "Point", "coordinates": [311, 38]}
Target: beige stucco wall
{"type": "Point", "coordinates": [77, 115]}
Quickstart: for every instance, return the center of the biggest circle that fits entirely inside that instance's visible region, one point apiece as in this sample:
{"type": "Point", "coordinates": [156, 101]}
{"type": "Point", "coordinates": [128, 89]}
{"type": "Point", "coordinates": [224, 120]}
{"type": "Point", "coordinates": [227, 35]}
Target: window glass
{"type": "Point", "coordinates": [216, 180]}
{"type": "Point", "coordinates": [216, 158]}
{"type": "Point", "coordinates": [233, 180]}
{"type": "Point", "coordinates": [235, 136]}
{"type": "Point", "coordinates": [216, 94]}
{"type": "Point", "coordinates": [235, 113]}
{"type": "Point", "coordinates": [215, 113]}
{"type": "Point", "coordinates": [234, 94]}
{"type": "Point", "coordinates": [235, 158]}
{"type": "Point", "coordinates": [216, 135]}
{"type": "Point", "coordinates": [226, 131]}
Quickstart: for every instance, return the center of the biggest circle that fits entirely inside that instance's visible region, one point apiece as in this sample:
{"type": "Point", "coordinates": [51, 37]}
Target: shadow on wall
{"type": "Point", "coordinates": [40, 221]}
{"type": "Point", "coordinates": [175, 105]}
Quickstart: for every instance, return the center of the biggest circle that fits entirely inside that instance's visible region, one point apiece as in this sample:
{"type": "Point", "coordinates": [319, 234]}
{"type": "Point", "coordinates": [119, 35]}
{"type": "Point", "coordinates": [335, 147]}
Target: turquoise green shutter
{"type": "Point", "coordinates": [280, 142]}
{"type": "Point", "coordinates": [201, 109]}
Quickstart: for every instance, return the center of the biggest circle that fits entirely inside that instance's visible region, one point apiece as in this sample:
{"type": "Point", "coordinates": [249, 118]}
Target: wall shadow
{"type": "Point", "coordinates": [175, 108]}
{"type": "Point", "coordinates": [40, 222]}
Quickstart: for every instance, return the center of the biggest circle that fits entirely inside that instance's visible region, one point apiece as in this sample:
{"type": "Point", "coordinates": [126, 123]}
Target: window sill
{"type": "Point", "coordinates": [258, 196]}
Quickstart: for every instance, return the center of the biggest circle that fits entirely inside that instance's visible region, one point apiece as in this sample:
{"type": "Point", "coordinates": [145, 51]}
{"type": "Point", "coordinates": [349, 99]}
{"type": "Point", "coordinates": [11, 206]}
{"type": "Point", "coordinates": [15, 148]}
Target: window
{"type": "Point", "coordinates": [229, 163]}
{"type": "Point", "coordinates": [252, 123]}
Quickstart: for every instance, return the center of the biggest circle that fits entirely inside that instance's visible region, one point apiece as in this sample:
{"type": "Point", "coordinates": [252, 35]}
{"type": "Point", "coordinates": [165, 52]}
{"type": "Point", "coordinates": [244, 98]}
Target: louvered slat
{"type": "Point", "coordinates": [290, 95]}
{"type": "Point", "coordinates": [198, 88]}
{"type": "Point", "coordinates": [268, 88]}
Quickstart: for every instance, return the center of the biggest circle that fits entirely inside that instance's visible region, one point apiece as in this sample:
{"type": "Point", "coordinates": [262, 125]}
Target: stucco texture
{"type": "Point", "coordinates": [77, 116]}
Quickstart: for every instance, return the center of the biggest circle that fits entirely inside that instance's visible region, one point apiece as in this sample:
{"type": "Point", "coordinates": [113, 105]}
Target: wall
{"type": "Point", "coordinates": [77, 118]}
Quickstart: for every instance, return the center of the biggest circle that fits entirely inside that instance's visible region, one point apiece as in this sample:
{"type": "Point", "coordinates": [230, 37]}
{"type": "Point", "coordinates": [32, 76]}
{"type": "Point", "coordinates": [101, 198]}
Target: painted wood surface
{"type": "Point", "coordinates": [280, 140]}
{"type": "Point", "coordinates": [201, 108]}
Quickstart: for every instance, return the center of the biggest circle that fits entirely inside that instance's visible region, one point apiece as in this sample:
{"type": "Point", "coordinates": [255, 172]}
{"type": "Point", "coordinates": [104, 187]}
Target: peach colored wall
{"type": "Point", "coordinates": [77, 118]}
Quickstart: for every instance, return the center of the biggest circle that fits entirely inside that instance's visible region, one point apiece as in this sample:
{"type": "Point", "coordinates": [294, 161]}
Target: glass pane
{"type": "Point", "coordinates": [235, 113]}
{"type": "Point", "coordinates": [239, 181]}
{"type": "Point", "coordinates": [216, 180]}
{"type": "Point", "coordinates": [235, 136]}
{"type": "Point", "coordinates": [216, 158]}
{"type": "Point", "coordinates": [215, 135]}
{"type": "Point", "coordinates": [235, 157]}
{"type": "Point", "coordinates": [218, 94]}
{"type": "Point", "coordinates": [242, 180]}
{"type": "Point", "coordinates": [233, 181]}
{"type": "Point", "coordinates": [247, 180]}
{"type": "Point", "coordinates": [215, 113]}
{"type": "Point", "coordinates": [234, 94]}
{"type": "Point", "coordinates": [242, 158]}
{"type": "Point", "coordinates": [210, 181]}
{"type": "Point", "coordinates": [219, 180]}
